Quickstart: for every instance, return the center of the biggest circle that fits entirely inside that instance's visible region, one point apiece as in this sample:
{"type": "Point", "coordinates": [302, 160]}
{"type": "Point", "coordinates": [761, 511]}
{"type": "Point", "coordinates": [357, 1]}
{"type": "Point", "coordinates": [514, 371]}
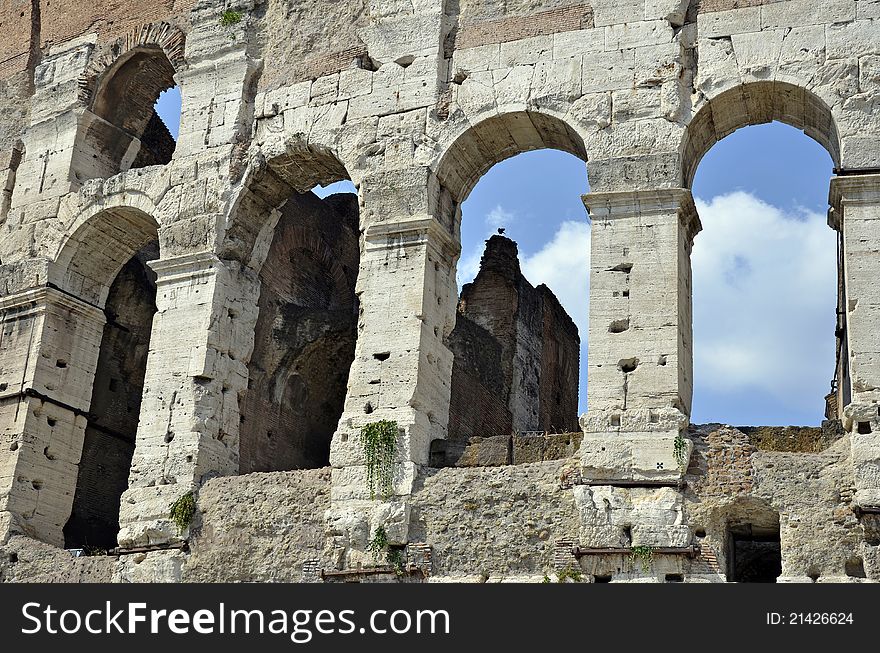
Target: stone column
{"type": "Point", "coordinates": [49, 345]}
{"type": "Point", "coordinates": [402, 369]}
{"type": "Point", "coordinates": [640, 349]}
{"type": "Point", "coordinates": [855, 202]}
{"type": "Point", "coordinates": [188, 432]}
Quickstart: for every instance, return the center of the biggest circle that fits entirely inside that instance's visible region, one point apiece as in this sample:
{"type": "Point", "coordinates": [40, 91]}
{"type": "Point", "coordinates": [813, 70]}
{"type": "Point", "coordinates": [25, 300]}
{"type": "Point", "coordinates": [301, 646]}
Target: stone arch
{"type": "Point", "coordinates": [105, 263]}
{"type": "Point", "coordinates": [496, 138]}
{"type": "Point", "coordinates": [101, 241]}
{"type": "Point", "coordinates": [757, 103]}
{"type": "Point", "coordinates": [119, 128]}
{"type": "Point", "coordinates": [499, 385]}
{"type": "Point", "coordinates": [272, 177]}
{"type": "Point", "coordinates": [306, 251]}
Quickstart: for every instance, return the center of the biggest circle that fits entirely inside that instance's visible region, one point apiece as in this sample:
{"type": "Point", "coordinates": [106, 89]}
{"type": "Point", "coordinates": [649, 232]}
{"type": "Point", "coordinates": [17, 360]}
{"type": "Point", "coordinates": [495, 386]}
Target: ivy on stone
{"type": "Point", "coordinates": [183, 510]}
{"type": "Point", "coordinates": [644, 555]}
{"type": "Point", "coordinates": [679, 449]}
{"type": "Point", "coordinates": [230, 17]}
{"type": "Point", "coordinates": [379, 440]}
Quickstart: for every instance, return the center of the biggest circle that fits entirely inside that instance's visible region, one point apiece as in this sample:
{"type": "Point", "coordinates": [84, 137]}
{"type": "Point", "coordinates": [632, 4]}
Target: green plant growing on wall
{"type": "Point", "coordinates": [379, 542]}
{"type": "Point", "coordinates": [230, 18]}
{"type": "Point", "coordinates": [393, 555]}
{"type": "Point", "coordinates": [570, 573]}
{"type": "Point", "coordinates": [643, 555]}
{"type": "Point", "coordinates": [679, 449]}
{"type": "Point", "coordinates": [183, 510]}
{"type": "Point", "coordinates": [379, 440]}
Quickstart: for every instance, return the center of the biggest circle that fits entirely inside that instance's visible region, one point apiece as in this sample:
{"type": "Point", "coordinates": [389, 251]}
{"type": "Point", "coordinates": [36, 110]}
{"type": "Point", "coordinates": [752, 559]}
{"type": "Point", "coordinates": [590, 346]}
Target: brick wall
{"type": "Point", "coordinates": [516, 354]}
{"type": "Point", "coordinates": [474, 32]}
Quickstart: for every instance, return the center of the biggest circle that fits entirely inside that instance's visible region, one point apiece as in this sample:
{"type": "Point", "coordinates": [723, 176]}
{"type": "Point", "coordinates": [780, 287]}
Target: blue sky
{"type": "Point", "coordinates": [764, 265]}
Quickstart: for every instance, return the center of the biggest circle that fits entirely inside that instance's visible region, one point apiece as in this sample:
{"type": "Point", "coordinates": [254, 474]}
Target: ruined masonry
{"type": "Point", "coordinates": [195, 348]}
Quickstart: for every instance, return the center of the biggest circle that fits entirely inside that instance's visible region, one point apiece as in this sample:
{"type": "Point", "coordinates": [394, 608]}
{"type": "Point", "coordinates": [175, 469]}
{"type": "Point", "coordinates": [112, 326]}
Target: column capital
{"type": "Point", "coordinates": [36, 300]}
{"type": "Point", "coordinates": [854, 188]}
{"type": "Point", "coordinates": [186, 266]}
{"type": "Point", "coordinates": [417, 230]}
{"type": "Point", "coordinates": [633, 203]}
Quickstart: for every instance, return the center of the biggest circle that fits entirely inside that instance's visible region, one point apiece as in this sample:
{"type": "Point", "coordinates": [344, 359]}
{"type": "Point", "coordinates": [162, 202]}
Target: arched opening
{"type": "Point", "coordinates": [107, 261]}
{"type": "Point", "coordinates": [764, 287]}
{"type": "Point", "coordinates": [122, 129]}
{"type": "Point", "coordinates": [306, 330]}
{"type": "Point", "coordinates": [520, 327]}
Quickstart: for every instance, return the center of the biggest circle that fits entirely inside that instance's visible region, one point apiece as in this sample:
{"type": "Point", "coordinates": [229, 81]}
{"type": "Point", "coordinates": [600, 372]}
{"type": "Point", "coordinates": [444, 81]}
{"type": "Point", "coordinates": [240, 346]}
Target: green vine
{"type": "Point", "coordinates": [379, 440]}
{"type": "Point", "coordinates": [644, 555]}
{"type": "Point", "coordinates": [183, 510]}
{"type": "Point", "coordinates": [379, 542]}
{"type": "Point", "coordinates": [570, 573]}
{"type": "Point", "coordinates": [393, 555]}
{"type": "Point", "coordinates": [230, 18]}
{"type": "Point", "coordinates": [679, 449]}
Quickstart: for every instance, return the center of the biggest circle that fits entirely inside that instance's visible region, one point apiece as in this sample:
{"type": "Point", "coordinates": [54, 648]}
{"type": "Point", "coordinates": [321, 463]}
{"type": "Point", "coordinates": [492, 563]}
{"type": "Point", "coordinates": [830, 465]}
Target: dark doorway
{"type": "Point", "coordinates": [754, 554]}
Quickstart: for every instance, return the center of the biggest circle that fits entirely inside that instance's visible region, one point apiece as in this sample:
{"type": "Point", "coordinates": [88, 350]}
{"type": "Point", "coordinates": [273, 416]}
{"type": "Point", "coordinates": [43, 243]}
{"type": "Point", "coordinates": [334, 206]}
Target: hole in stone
{"type": "Point", "coordinates": [47, 454]}
{"type": "Point", "coordinates": [619, 326]}
{"type": "Point", "coordinates": [114, 385]}
{"type": "Point", "coordinates": [628, 534]}
{"type": "Point", "coordinates": [653, 417]}
{"type": "Point", "coordinates": [615, 420]}
{"type": "Point", "coordinates": [61, 363]}
{"type": "Point", "coordinates": [754, 551]}
{"type": "Point", "coordinates": [855, 568]}
{"type": "Point", "coordinates": [3, 386]}
{"type": "Point", "coordinates": [700, 532]}
{"type": "Point", "coordinates": [662, 360]}
{"type": "Point", "coordinates": [864, 428]}
{"type": "Point", "coordinates": [169, 437]}
{"type": "Point", "coordinates": [13, 446]}
{"type": "Point", "coordinates": [813, 575]}
{"type": "Point", "coordinates": [627, 365]}
{"type": "Point", "coordinates": [405, 61]}
{"type": "Point", "coordinates": [13, 557]}
{"type": "Point", "coordinates": [51, 421]}
{"type": "Point", "coordinates": [382, 356]}
{"type": "Point", "coordinates": [344, 437]}
{"type": "Point", "coordinates": [601, 578]}
{"type": "Point", "coordinates": [37, 485]}
{"type": "Point", "coordinates": [623, 267]}
{"type": "Point", "coordinates": [674, 578]}
{"type": "Point", "coordinates": [626, 293]}
{"type": "Point", "coordinates": [368, 408]}
{"type": "Point", "coordinates": [459, 77]}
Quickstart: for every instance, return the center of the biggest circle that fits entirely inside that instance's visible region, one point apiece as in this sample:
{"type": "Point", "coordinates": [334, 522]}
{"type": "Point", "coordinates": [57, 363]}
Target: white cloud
{"type": "Point", "coordinates": [563, 264]}
{"type": "Point", "coordinates": [765, 293]}
{"type": "Point", "coordinates": [499, 217]}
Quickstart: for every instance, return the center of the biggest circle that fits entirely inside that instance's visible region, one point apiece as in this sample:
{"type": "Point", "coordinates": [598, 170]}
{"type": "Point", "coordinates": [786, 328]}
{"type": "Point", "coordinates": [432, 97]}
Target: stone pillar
{"type": "Point", "coordinates": [201, 339]}
{"type": "Point", "coordinates": [640, 351]}
{"type": "Point", "coordinates": [49, 345]}
{"type": "Point", "coordinates": [855, 202]}
{"type": "Point", "coordinates": [402, 369]}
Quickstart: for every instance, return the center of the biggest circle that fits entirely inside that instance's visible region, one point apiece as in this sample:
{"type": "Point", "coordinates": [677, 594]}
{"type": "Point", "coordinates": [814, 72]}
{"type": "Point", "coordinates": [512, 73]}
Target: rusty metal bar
{"type": "Point", "coordinates": [690, 551]}
{"type": "Point", "coordinates": [118, 551]}
{"type": "Point", "coordinates": [369, 571]}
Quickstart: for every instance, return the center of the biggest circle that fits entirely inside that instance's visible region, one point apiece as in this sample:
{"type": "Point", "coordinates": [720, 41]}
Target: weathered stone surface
{"type": "Point", "coordinates": [414, 102]}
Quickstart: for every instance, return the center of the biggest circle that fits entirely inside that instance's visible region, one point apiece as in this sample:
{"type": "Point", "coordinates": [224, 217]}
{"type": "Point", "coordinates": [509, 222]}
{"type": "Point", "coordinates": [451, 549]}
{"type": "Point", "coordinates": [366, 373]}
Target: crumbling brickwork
{"type": "Point", "coordinates": [277, 313]}
{"type": "Point", "coordinates": [516, 351]}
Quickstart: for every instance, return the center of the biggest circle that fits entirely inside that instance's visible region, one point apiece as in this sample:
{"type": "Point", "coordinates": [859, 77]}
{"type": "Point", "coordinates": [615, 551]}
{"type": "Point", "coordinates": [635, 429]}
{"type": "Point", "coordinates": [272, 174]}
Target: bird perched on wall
{"type": "Point", "coordinates": [501, 231]}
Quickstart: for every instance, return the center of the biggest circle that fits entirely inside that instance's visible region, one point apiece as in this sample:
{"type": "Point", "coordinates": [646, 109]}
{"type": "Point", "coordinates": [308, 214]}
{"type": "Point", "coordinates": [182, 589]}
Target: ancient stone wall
{"type": "Point", "coordinates": [414, 102]}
